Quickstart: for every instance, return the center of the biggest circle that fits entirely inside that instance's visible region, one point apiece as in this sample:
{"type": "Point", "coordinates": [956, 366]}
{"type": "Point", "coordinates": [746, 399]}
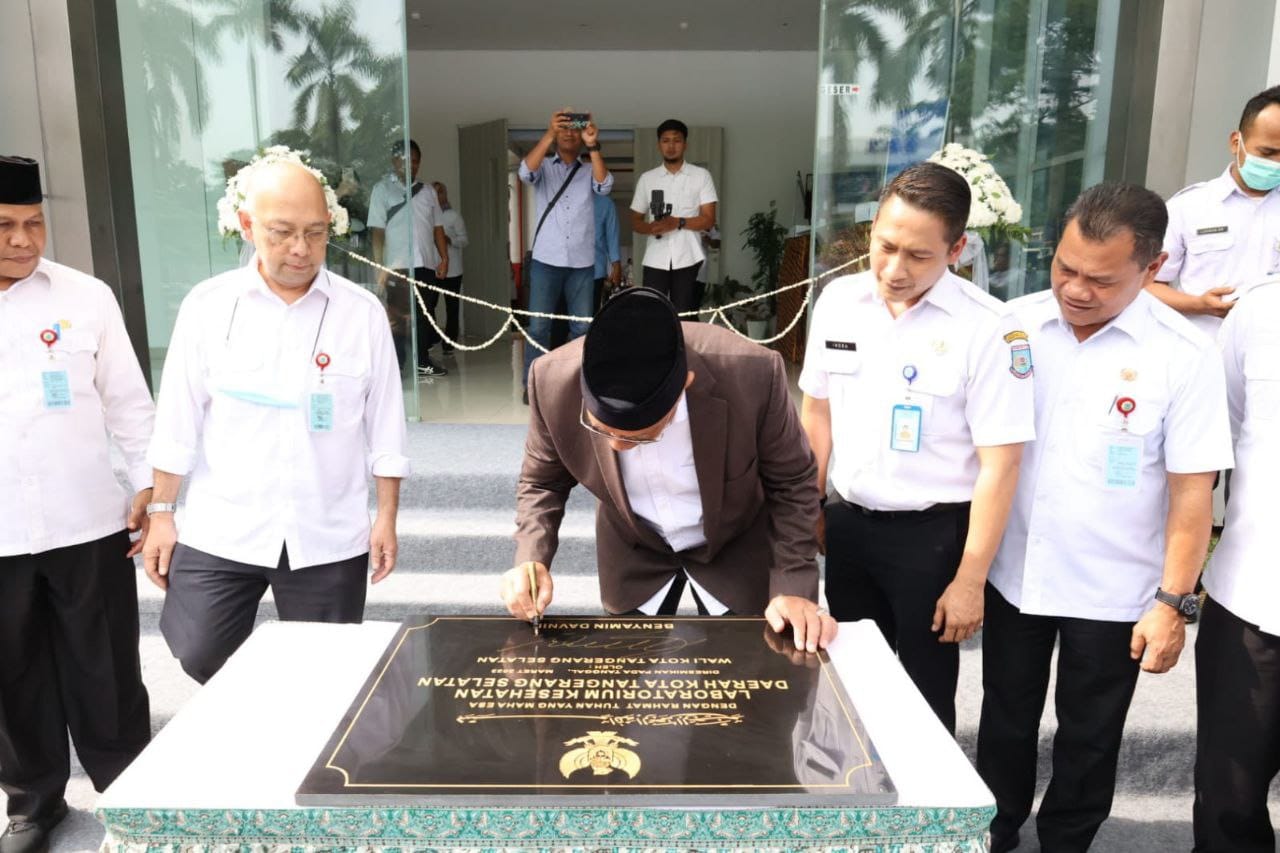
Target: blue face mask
{"type": "Point", "coordinates": [1258, 173]}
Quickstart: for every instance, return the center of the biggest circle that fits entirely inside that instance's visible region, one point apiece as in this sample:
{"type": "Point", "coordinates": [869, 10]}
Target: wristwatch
{"type": "Point", "coordinates": [153, 508]}
{"type": "Point", "coordinates": [595, 147]}
{"type": "Point", "coordinates": [1188, 605]}
{"type": "Point", "coordinates": [680, 222]}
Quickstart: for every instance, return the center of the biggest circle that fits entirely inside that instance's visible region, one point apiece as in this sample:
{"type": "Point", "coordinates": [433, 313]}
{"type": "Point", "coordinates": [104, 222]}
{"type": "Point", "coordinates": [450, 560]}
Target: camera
{"type": "Point", "coordinates": [576, 121]}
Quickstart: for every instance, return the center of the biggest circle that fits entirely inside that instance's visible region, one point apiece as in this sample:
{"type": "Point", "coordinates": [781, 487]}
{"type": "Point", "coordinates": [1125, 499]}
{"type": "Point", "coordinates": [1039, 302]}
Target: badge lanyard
{"type": "Point", "coordinates": [1124, 451]}
{"type": "Point", "coordinates": [907, 418]}
{"type": "Point", "coordinates": [321, 360]}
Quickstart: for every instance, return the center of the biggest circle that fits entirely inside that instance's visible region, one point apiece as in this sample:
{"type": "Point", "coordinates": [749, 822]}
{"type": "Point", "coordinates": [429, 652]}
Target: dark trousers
{"type": "Point", "coordinates": [1096, 679]}
{"type": "Point", "coordinates": [1237, 733]}
{"type": "Point", "coordinates": [402, 303]}
{"type": "Point", "coordinates": [893, 567]}
{"type": "Point", "coordinates": [68, 661]}
{"type": "Point", "coordinates": [680, 285]}
{"type": "Point", "coordinates": [211, 604]}
{"type": "Point", "coordinates": [452, 306]}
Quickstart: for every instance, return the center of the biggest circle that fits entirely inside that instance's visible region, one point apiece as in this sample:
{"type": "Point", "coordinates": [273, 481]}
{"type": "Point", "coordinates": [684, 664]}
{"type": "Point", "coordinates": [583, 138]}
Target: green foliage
{"type": "Point", "coordinates": [766, 239]}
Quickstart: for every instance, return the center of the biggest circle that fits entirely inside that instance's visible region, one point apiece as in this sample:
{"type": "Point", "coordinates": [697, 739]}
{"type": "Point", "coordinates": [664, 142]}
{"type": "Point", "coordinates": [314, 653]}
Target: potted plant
{"type": "Point", "coordinates": [766, 239]}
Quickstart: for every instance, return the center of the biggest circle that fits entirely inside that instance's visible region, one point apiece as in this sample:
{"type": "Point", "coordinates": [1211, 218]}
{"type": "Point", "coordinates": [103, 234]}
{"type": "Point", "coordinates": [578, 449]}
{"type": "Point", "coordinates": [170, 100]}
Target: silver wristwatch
{"type": "Point", "coordinates": [153, 508]}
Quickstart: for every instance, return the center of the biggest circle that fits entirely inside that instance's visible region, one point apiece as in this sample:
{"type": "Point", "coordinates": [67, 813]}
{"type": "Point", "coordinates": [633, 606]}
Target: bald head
{"type": "Point", "coordinates": [285, 216]}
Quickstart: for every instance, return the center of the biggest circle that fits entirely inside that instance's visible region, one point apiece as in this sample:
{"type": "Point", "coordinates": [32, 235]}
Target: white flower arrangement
{"type": "Point", "coordinates": [238, 184]}
{"type": "Point", "coordinates": [993, 211]}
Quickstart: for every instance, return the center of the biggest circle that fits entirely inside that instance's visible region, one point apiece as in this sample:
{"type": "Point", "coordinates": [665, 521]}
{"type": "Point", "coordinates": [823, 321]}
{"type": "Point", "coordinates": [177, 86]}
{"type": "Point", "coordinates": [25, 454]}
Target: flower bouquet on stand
{"type": "Point", "coordinates": [995, 217]}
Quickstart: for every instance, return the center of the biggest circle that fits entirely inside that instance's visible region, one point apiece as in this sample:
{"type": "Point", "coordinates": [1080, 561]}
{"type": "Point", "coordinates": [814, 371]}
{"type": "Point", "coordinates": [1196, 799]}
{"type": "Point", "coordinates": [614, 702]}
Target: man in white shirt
{"type": "Point", "coordinates": [1238, 645]}
{"type": "Point", "coordinates": [416, 248]}
{"type": "Point", "coordinates": [280, 397]}
{"type": "Point", "coordinates": [1224, 234]}
{"type": "Point", "coordinates": [688, 436]}
{"type": "Point", "coordinates": [919, 384]}
{"type": "Point", "coordinates": [455, 234]}
{"type": "Point", "coordinates": [1111, 520]}
{"type": "Point", "coordinates": [70, 384]}
{"type": "Point", "coordinates": [673, 251]}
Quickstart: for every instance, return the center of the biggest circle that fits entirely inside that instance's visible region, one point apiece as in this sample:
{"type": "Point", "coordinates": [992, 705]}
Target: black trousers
{"type": "Point", "coordinates": [680, 285]}
{"type": "Point", "coordinates": [212, 602]}
{"type": "Point", "coordinates": [1096, 679]}
{"type": "Point", "coordinates": [893, 567]}
{"type": "Point", "coordinates": [1237, 733]}
{"type": "Point", "coordinates": [402, 303]}
{"type": "Point", "coordinates": [68, 661]}
{"type": "Point", "coordinates": [452, 306]}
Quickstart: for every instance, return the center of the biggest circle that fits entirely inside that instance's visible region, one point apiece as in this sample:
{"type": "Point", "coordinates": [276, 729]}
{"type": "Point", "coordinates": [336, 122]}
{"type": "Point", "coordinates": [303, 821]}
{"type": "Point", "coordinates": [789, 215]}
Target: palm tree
{"type": "Point", "coordinates": [254, 22]}
{"type": "Point", "coordinates": [328, 73]}
{"type": "Point", "coordinates": [173, 74]}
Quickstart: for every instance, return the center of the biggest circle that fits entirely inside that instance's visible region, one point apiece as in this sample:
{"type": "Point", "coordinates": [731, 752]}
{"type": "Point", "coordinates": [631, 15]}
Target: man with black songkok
{"type": "Point", "coordinates": [68, 590]}
{"type": "Point", "coordinates": [688, 437]}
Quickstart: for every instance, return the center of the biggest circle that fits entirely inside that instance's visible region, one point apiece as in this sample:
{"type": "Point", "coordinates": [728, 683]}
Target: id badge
{"type": "Point", "coordinates": [57, 389]}
{"type": "Point", "coordinates": [321, 412]}
{"type": "Point", "coordinates": [904, 434]}
{"type": "Point", "coordinates": [1123, 462]}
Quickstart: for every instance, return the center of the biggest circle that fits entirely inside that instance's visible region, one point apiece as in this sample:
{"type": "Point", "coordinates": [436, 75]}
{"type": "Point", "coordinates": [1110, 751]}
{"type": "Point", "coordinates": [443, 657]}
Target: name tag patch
{"type": "Point", "coordinates": [843, 346]}
{"type": "Point", "coordinates": [1212, 229]}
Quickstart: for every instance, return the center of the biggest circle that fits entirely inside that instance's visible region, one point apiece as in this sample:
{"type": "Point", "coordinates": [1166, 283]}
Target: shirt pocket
{"type": "Point", "coordinates": [76, 351]}
{"type": "Point", "coordinates": [1205, 244]}
{"type": "Point", "coordinates": [347, 378]}
{"type": "Point", "coordinates": [941, 399]}
{"type": "Point", "coordinates": [1262, 383]}
{"type": "Point", "coordinates": [1098, 426]}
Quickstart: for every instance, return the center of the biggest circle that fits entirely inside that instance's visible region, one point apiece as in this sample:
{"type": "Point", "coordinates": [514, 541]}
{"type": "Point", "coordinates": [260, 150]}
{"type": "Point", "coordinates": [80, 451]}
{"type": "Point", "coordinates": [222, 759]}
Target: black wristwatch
{"type": "Point", "coordinates": [1188, 605]}
{"type": "Point", "coordinates": [680, 222]}
{"type": "Point", "coordinates": [595, 147]}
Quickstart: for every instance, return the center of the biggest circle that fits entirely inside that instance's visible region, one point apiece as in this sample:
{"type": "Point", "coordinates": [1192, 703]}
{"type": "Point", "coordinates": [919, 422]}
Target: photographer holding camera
{"type": "Point", "coordinates": [681, 200]}
{"type": "Point", "coordinates": [564, 240]}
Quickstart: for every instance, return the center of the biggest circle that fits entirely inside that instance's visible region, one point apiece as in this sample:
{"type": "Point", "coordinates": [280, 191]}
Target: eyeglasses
{"type": "Point", "coordinates": [312, 236]}
{"type": "Point", "coordinates": [634, 442]}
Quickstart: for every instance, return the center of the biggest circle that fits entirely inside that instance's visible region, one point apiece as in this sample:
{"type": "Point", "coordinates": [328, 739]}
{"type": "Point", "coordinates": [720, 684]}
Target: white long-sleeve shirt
{"type": "Point", "coordinates": [56, 484]}
{"type": "Point", "coordinates": [456, 230]}
{"type": "Point", "coordinates": [237, 407]}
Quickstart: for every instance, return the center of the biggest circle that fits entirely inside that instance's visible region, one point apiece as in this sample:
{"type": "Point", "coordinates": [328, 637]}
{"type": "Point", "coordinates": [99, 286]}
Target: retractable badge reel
{"type": "Point", "coordinates": [904, 429]}
{"type": "Point", "coordinates": [1124, 451]}
{"type": "Point", "coordinates": [56, 384]}
{"type": "Point", "coordinates": [320, 418]}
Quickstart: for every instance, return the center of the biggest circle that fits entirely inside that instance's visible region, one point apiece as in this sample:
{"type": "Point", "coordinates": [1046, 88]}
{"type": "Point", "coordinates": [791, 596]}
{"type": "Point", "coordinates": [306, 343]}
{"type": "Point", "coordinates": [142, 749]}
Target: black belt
{"type": "Point", "coordinates": [889, 514]}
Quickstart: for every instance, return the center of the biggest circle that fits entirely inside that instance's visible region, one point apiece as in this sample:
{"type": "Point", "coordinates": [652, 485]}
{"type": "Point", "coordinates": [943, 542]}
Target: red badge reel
{"type": "Point", "coordinates": [49, 337]}
{"type": "Point", "coordinates": [323, 361]}
{"type": "Point", "coordinates": [1125, 406]}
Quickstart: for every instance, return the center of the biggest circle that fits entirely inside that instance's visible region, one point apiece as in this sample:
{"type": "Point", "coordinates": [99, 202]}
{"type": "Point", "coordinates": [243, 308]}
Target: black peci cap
{"type": "Point", "coordinates": [19, 181]}
{"type": "Point", "coordinates": [633, 360]}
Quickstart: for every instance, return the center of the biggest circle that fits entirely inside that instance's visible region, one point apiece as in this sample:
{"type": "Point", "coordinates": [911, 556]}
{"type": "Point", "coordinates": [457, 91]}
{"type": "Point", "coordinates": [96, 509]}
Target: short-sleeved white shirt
{"type": "Point", "coordinates": [1073, 546]}
{"type": "Point", "coordinates": [686, 191]}
{"type": "Point", "coordinates": [962, 344]}
{"type": "Point", "coordinates": [1243, 576]}
{"type": "Point", "coordinates": [1220, 237]}
{"type": "Point", "coordinates": [396, 252]}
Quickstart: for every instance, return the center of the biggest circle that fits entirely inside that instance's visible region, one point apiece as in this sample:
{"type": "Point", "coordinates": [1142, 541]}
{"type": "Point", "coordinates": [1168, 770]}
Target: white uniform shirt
{"type": "Point", "coordinates": [972, 384]}
{"type": "Point", "coordinates": [1085, 537]}
{"type": "Point", "coordinates": [396, 251]}
{"type": "Point", "coordinates": [1243, 576]}
{"type": "Point", "coordinates": [686, 191]}
{"type": "Point", "coordinates": [234, 415]}
{"type": "Point", "coordinates": [456, 230]}
{"type": "Point", "coordinates": [662, 488]}
{"type": "Point", "coordinates": [1220, 237]}
{"type": "Point", "coordinates": [56, 483]}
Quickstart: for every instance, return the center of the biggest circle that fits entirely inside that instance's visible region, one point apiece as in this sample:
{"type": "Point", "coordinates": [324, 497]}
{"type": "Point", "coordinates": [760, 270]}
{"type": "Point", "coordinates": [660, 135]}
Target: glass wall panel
{"type": "Point", "coordinates": [209, 83]}
{"type": "Point", "coordinates": [1026, 82]}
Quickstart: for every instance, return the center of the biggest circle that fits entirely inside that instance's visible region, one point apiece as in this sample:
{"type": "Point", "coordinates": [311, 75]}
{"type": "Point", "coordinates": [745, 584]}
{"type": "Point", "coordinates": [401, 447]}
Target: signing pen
{"type": "Point", "coordinates": [533, 594]}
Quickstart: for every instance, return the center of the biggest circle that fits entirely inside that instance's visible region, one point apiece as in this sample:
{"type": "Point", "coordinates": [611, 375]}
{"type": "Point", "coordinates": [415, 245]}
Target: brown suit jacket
{"type": "Point", "coordinates": [756, 472]}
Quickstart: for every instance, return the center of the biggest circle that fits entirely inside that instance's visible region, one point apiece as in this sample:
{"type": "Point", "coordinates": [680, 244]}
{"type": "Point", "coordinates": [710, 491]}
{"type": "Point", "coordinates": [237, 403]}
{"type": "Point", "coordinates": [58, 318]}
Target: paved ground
{"type": "Point", "coordinates": [455, 532]}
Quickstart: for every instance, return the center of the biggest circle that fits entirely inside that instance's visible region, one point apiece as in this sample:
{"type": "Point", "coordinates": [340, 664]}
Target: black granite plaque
{"type": "Point", "coordinates": [641, 711]}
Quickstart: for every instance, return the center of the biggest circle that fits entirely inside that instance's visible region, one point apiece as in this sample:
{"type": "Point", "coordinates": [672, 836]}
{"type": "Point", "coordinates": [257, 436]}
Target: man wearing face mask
{"type": "Point", "coordinates": [1225, 233]}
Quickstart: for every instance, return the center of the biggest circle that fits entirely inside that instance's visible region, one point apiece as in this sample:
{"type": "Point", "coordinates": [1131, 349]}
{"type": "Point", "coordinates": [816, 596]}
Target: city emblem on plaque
{"type": "Point", "coordinates": [603, 752]}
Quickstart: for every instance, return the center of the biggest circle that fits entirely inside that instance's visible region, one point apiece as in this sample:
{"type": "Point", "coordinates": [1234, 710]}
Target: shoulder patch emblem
{"type": "Point", "coordinates": [1019, 354]}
